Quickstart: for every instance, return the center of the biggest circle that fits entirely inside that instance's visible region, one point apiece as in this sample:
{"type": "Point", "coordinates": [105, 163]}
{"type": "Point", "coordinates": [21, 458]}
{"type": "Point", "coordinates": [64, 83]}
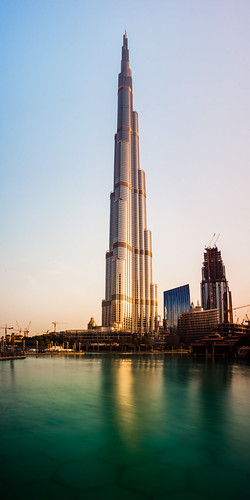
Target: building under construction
{"type": "Point", "coordinates": [215, 292]}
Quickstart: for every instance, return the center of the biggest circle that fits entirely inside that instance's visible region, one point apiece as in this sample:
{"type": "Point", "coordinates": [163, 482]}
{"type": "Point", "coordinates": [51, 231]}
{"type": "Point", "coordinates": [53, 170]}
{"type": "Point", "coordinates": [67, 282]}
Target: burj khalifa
{"type": "Point", "coordinates": [130, 296]}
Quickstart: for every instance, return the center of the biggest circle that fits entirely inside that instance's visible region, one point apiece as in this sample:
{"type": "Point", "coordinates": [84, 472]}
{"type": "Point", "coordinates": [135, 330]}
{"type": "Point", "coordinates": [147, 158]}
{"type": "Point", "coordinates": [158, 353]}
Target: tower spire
{"type": "Point", "coordinates": [125, 69]}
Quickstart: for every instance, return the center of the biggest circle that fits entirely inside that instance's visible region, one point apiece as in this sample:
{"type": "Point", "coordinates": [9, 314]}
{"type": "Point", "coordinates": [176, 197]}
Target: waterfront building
{"type": "Point", "coordinates": [215, 293]}
{"type": "Point", "coordinates": [215, 345]}
{"type": "Point", "coordinates": [176, 302]}
{"type": "Point", "coordinates": [130, 295]}
{"type": "Point", "coordinates": [91, 324]}
{"type": "Point", "coordinates": [196, 324]}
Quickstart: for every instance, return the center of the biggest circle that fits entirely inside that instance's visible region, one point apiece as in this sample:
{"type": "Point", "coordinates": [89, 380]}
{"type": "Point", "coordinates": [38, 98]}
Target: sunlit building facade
{"type": "Point", "coordinates": [130, 295]}
{"type": "Point", "coordinates": [197, 324]}
{"type": "Point", "coordinates": [176, 302]}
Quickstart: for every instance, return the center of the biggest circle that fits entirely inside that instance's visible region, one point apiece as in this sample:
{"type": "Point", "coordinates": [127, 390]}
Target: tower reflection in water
{"type": "Point", "coordinates": [132, 396]}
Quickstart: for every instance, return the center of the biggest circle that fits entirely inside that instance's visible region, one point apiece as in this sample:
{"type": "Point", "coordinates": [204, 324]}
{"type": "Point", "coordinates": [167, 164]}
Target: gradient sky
{"type": "Point", "coordinates": [60, 59]}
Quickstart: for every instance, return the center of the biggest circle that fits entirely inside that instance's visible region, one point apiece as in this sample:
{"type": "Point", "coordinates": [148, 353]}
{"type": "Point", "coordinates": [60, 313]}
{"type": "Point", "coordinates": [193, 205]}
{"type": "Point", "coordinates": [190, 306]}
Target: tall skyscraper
{"type": "Point", "coordinates": [176, 302]}
{"type": "Point", "coordinates": [130, 296]}
{"type": "Point", "coordinates": [215, 292]}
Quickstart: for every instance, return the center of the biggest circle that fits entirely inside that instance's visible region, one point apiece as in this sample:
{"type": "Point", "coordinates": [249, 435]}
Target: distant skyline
{"type": "Point", "coordinates": [191, 75]}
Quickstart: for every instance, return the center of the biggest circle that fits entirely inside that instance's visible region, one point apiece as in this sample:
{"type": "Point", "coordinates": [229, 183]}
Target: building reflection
{"type": "Point", "coordinates": [135, 391]}
{"type": "Point", "coordinates": [200, 391]}
{"type": "Point", "coordinates": [150, 401]}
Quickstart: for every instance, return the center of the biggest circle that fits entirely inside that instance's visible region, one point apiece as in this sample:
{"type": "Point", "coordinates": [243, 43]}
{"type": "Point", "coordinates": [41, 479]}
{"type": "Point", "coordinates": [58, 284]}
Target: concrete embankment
{"type": "Point", "coordinates": [7, 358]}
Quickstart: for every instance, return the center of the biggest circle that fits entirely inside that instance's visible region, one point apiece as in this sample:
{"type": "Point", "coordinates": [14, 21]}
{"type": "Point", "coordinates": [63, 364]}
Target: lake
{"type": "Point", "coordinates": [124, 427]}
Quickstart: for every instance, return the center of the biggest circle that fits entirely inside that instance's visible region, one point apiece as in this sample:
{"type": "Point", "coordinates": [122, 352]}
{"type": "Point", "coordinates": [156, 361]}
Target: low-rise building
{"type": "Point", "coordinates": [196, 324]}
{"type": "Point", "coordinates": [214, 345]}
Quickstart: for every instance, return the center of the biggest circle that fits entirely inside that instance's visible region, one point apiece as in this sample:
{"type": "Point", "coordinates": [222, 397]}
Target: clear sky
{"type": "Point", "coordinates": [60, 59]}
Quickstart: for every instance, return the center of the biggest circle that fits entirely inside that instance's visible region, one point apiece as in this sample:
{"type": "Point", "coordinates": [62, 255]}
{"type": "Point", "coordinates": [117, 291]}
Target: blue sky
{"type": "Point", "coordinates": [191, 78]}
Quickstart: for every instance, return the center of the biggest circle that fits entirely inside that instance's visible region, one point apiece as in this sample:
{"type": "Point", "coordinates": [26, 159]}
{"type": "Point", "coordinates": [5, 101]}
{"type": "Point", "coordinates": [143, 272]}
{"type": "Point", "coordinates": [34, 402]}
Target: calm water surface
{"type": "Point", "coordinates": [124, 427]}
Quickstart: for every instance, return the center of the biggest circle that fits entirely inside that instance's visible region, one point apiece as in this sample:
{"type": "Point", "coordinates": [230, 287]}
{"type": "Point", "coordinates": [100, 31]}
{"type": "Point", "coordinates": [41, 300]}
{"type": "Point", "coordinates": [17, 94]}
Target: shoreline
{"type": "Point", "coordinates": [9, 358]}
{"type": "Point", "coordinates": [120, 353]}
{"type": "Point", "coordinates": [106, 352]}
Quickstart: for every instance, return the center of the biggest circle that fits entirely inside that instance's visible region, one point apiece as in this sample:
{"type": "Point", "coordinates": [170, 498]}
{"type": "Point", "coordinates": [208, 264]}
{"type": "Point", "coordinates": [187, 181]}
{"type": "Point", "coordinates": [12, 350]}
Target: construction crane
{"type": "Point", "coordinates": [240, 307]}
{"type": "Point", "coordinates": [57, 323]}
{"type": "Point", "coordinates": [216, 240]}
{"type": "Point", "coordinates": [19, 329]}
{"type": "Point", "coordinates": [24, 330]}
{"type": "Point", "coordinates": [237, 319]}
{"type": "Point", "coordinates": [6, 328]}
{"type": "Point", "coordinates": [230, 311]}
{"type": "Point", "coordinates": [209, 245]}
{"type": "Point", "coordinates": [247, 320]}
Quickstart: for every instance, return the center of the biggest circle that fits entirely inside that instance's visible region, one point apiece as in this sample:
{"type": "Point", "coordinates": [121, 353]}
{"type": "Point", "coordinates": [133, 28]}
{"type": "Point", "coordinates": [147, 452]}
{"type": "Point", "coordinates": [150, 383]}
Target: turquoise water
{"type": "Point", "coordinates": [124, 427]}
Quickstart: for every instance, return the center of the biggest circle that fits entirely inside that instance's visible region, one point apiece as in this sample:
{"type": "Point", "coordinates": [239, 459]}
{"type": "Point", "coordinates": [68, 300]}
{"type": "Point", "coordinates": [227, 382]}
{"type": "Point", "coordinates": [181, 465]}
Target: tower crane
{"type": "Point", "coordinates": [237, 319]}
{"type": "Point", "coordinates": [209, 245]}
{"type": "Point", "coordinates": [19, 328]}
{"type": "Point", "coordinates": [216, 239]}
{"type": "Point", "coordinates": [230, 310]}
{"type": "Point", "coordinates": [247, 320]}
{"type": "Point", "coordinates": [57, 323]}
{"type": "Point", "coordinates": [6, 328]}
{"type": "Point", "coordinates": [240, 307]}
{"type": "Point", "coordinates": [24, 330]}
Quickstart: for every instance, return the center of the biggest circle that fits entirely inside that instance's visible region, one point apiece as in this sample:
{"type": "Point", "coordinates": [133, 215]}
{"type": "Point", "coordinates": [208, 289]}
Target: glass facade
{"type": "Point", "coordinates": [176, 302]}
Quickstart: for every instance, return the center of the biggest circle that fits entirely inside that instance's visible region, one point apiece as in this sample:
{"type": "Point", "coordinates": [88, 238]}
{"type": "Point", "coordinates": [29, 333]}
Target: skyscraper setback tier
{"type": "Point", "coordinates": [130, 296]}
